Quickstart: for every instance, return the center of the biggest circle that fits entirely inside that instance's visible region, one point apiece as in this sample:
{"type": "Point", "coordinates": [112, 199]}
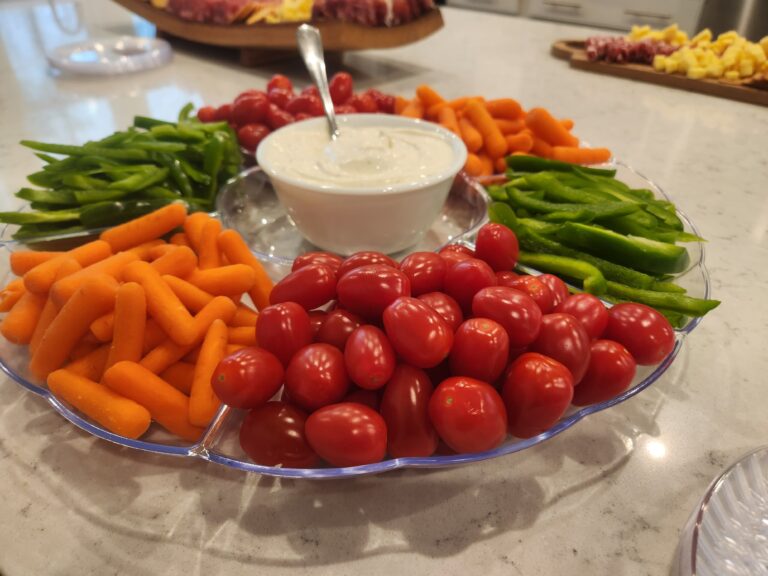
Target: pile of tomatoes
{"type": "Point", "coordinates": [441, 352]}
{"type": "Point", "coordinates": [255, 113]}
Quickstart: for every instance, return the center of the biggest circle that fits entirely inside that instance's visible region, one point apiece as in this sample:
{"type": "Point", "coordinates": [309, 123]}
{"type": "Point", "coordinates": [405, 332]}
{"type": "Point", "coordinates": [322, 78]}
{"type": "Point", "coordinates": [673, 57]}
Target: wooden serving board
{"type": "Point", "coordinates": [257, 41]}
{"type": "Point", "coordinates": [574, 52]}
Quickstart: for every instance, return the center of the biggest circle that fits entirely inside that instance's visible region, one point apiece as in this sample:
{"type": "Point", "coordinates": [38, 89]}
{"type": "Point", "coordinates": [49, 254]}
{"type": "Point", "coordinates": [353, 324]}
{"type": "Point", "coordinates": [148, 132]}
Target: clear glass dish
{"type": "Point", "coordinates": [464, 214]}
{"type": "Point", "coordinates": [727, 534]}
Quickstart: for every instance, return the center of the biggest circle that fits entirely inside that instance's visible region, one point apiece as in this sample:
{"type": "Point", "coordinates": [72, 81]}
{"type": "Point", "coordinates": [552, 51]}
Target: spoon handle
{"type": "Point", "coordinates": [311, 48]}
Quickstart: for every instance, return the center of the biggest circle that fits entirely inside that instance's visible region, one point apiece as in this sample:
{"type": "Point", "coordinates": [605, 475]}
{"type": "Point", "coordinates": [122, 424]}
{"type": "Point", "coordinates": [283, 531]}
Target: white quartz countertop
{"type": "Point", "coordinates": [608, 496]}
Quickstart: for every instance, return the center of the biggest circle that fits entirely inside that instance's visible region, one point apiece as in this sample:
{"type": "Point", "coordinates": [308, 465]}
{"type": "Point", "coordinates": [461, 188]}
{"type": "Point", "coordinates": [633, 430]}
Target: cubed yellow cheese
{"type": "Point", "coordinates": [732, 75]}
{"type": "Point", "coordinates": [703, 36]}
{"type": "Point", "coordinates": [696, 72]}
{"type": "Point", "coordinates": [659, 62]}
{"type": "Point", "coordinates": [715, 70]}
{"type": "Point", "coordinates": [670, 66]}
{"type": "Point", "coordinates": [746, 68]}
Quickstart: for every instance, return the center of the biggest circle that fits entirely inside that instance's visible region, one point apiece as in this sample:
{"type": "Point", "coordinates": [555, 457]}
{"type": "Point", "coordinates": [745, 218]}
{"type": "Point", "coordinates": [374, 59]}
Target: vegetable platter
{"type": "Point", "coordinates": [216, 439]}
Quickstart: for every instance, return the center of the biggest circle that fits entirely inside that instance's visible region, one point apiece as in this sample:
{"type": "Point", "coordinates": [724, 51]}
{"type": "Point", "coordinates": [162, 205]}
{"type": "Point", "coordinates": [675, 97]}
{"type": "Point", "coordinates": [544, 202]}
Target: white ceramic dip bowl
{"type": "Point", "coordinates": [379, 201]}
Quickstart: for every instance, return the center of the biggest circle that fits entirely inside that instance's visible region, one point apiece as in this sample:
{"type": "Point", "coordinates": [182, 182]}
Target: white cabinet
{"type": "Point", "coordinates": [505, 6]}
{"type": "Point", "coordinates": [619, 14]}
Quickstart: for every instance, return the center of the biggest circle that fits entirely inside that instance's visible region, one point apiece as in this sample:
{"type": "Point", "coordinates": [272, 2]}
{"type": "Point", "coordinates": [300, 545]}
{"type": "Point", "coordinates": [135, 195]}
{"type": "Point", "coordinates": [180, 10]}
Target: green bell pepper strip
{"type": "Point", "coordinates": [29, 232]}
{"type": "Point", "coordinates": [148, 123]}
{"type": "Point", "coordinates": [554, 190]}
{"type": "Point", "coordinates": [161, 192]}
{"type": "Point", "coordinates": [669, 218]}
{"type": "Point", "coordinates": [497, 193]}
{"type": "Point", "coordinates": [193, 173]}
{"type": "Point", "coordinates": [104, 214]}
{"type": "Point", "coordinates": [586, 211]}
{"type": "Point", "coordinates": [177, 174]}
{"type": "Point", "coordinates": [46, 158]}
{"type": "Point", "coordinates": [592, 279]}
{"type": "Point", "coordinates": [88, 149]}
{"type": "Point", "coordinates": [140, 180]}
{"type": "Point", "coordinates": [58, 197]}
{"type": "Point", "coordinates": [629, 226]}
{"type": "Point", "coordinates": [502, 213]}
{"type": "Point", "coordinates": [212, 162]}
{"type": "Point", "coordinates": [666, 300]}
{"type": "Point", "coordinates": [39, 217]}
{"type": "Point", "coordinates": [185, 112]}
{"type": "Point", "coordinates": [82, 181]}
{"type": "Point", "coordinates": [640, 253]}
{"type": "Point", "coordinates": [159, 146]}
{"type": "Point", "coordinates": [522, 163]}
{"type": "Point", "coordinates": [95, 195]}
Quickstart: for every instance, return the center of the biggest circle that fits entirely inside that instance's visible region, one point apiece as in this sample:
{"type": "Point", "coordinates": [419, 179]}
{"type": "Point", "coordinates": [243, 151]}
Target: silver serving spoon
{"type": "Point", "coordinates": [311, 48]}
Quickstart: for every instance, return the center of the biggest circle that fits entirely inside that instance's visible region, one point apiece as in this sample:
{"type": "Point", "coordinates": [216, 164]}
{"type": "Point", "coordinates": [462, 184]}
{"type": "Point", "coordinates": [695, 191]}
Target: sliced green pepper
{"type": "Point", "coordinates": [666, 300]}
{"type": "Point", "coordinates": [522, 163]}
{"type": "Point", "coordinates": [58, 197]}
{"type": "Point", "coordinates": [593, 280]}
{"type": "Point", "coordinates": [39, 217]}
{"type": "Point", "coordinates": [584, 211]}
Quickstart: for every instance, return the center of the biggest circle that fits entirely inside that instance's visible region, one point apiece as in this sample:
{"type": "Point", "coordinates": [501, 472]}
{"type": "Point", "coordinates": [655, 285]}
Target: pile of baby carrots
{"type": "Point", "coordinates": [130, 327]}
{"type": "Point", "coordinates": [493, 129]}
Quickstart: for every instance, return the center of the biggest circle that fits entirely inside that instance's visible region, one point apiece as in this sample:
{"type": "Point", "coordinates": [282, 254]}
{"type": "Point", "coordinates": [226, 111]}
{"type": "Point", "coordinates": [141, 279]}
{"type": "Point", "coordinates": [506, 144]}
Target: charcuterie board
{"type": "Point", "coordinates": [574, 52]}
{"type": "Point", "coordinates": [260, 41]}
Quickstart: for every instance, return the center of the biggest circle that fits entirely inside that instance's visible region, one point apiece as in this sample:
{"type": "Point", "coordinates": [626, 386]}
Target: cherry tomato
{"type": "Point", "coordinates": [365, 258]}
{"type": "Point", "coordinates": [537, 391]}
{"type": "Point", "coordinates": [405, 409]}
{"type": "Point", "coordinates": [497, 245]}
{"type": "Point", "coordinates": [206, 114]}
{"type": "Point", "coordinates": [248, 378]}
{"type": "Point", "coordinates": [277, 118]}
{"type": "Point", "coordinates": [223, 113]}
{"type": "Point", "coordinates": [466, 278]}
{"type": "Point", "coordinates": [646, 333]}
{"type": "Point", "coordinates": [305, 103]}
{"type": "Point", "coordinates": [341, 87]}
{"type": "Point", "coordinates": [344, 109]}
{"type": "Point", "coordinates": [283, 329]}
{"type": "Point", "coordinates": [316, 376]}
{"type": "Point", "coordinates": [417, 332]}
{"type": "Point", "coordinates": [370, 398]}
{"type": "Point", "coordinates": [588, 310]}
{"type": "Point", "coordinates": [326, 258]}
{"type": "Point", "coordinates": [369, 357]}
{"type": "Point", "coordinates": [611, 370]}
{"type": "Point", "coordinates": [316, 320]}
{"type": "Point", "coordinates": [468, 414]}
{"type": "Point", "coordinates": [338, 326]}
{"type": "Point", "coordinates": [368, 290]}
{"type": "Point", "coordinates": [446, 306]}
{"type": "Point", "coordinates": [280, 81]}
{"type": "Point", "coordinates": [453, 253]}
{"type": "Point", "coordinates": [347, 434]}
{"type": "Point", "coordinates": [311, 91]}
{"type": "Point", "coordinates": [250, 110]}
{"type": "Point", "coordinates": [363, 103]}
{"type": "Point", "coordinates": [302, 116]}
{"type": "Point", "coordinates": [251, 135]}
{"type": "Point", "coordinates": [311, 286]}
{"type": "Point", "coordinates": [563, 338]}
{"type": "Point", "coordinates": [506, 277]}
{"type": "Point", "coordinates": [480, 350]}
{"type": "Point", "coordinates": [537, 290]}
{"type": "Point", "coordinates": [559, 289]}
{"type": "Point", "coordinates": [514, 310]}
{"type": "Point", "coordinates": [384, 102]}
{"type": "Point", "coordinates": [273, 435]}
{"type": "Point", "coordinates": [425, 270]}
{"type": "Point", "coordinates": [249, 94]}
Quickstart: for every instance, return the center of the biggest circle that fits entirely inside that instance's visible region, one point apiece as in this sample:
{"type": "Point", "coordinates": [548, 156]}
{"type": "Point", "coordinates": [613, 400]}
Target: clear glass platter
{"type": "Point", "coordinates": [270, 234]}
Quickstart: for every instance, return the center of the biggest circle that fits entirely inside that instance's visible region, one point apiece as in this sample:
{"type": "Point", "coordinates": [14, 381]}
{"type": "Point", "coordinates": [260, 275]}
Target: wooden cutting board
{"type": "Point", "coordinates": [574, 52]}
{"type": "Point", "coordinates": [258, 41]}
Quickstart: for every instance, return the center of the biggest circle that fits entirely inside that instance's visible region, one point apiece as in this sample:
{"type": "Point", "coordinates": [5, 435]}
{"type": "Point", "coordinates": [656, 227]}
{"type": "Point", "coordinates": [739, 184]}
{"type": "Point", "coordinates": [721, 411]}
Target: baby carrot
{"type": "Point", "coordinates": [541, 148]}
{"type": "Point", "coordinates": [506, 108]}
{"type": "Point", "coordinates": [180, 376]}
{"type": "Point", "coordinates": [167, 406]}
{"type": "Point", "coordinates": [169, 352]}
{"type": "Point", "coordinates": [11, 294]}
{"type": "Point", "coordinates": [519, 142]}
{"type": "Point", "coordinates": [159, 251]}
{"type": "Point", "coordinates": [103, 327]}
{"type": "Point", "coordinates": [144, 251]}
{"type": "Point", "coordinates": [179, 239]}
{"type": "Point", "coordinates": [19, 325]}
{"type": "Point", "coordinates": [193, 356]}
{"type": "Point", "coordinates": [62, 290]}
{"type": "Point", "coordinates": [236, 251]}
{"type": "Point", "coordinates": [145, 228]}
{"type": "Point", "coordinates": [472, 138]}
{"type": "Point", "coordinates": [245, 335]}
{"type": "Point", "coordinates": [546, 127]}
{"type": "Point", "coordinates": [130, 324]}
{"type": "Point", "coordinates": [22, 261]}
{"type": "Point", "coordinates": [414, 109]}
{"type": "Point", "coordinates": [94, 298]}
{"type": "Point", "coordinates": [428, 96]}
{"type": "Point", "coordinates": [42, 276]}
{"type": "Point", "coordinates": [208, 249]}
{"type": "Point", "coordinates": [153, 336]}
{"type": "Point", "coordinates": [487, 165]}
{"type": "Point", "coordinates": [50, 310]}
{"type": "Point", "coordinates": [567, 123]}
{"type": "Point", "coordinates": [447, 119]}
{"type": "Point", "coordinates": [203, 402]}
{"type": "Point", "coordinates": [189, 294]}
{"type": "Point", "coordinates": [226, 280]}
{"type": "Point", "coordinates": [473, 165]}
{"type": "Point", "coordinates": [400, 104]}
{"type": "Point", "coordinates": [83, 348]}
{"type": "Point", "coordinates": [115, 412]}
{"type": "Point", "coordinates": [162, 303]}
{"type": "Point", "coordinates": [581, 155]}
{"type": "Point", "coordinates": [193, 228]}
{"type": "Point", "coordinates": [510, 126]}
{"type": "Point", "coordinates": [493, 141]}
{"type": "Point", "coordinates": [432, 112]}
{"type": "Point", "coordinates": [499, 166]}
{"type": "Point", "coordinates": [244, 316]}
{"type": "Point", "coordinates": [91, 365]}
{"type": "Point", "coordinates": [179, 261]}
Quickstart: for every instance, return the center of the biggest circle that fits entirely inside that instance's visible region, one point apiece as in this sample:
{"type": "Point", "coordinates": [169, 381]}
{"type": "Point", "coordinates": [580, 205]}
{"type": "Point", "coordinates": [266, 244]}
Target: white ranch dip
{"type": "Point", "coordinates": [362, 157]}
